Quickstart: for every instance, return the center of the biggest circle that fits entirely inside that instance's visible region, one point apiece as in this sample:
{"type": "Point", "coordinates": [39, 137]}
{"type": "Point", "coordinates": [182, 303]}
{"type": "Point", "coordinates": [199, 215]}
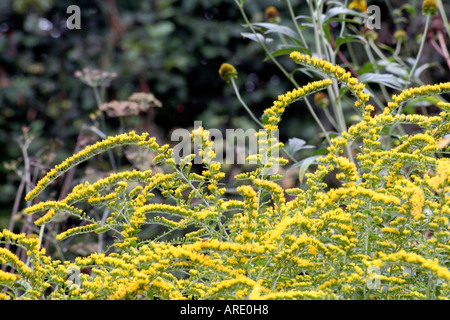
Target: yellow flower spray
{"type": "Point", "coordinates": [362, 239]}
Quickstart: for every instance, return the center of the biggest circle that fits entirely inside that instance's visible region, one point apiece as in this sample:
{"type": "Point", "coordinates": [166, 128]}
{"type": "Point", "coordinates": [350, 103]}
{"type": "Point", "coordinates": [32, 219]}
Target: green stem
{"type": "Point", "coordinates": [422, 42]}
{"type": "Point", "coordinates": [351, 51]}
{"type": "Point", "coordinates": [372, 60]}
{"type": "Point", "coordinates": [334, 89]}
{"type": "Point", "coordinates": [398, 47]}
{"type": "Point", "coordinates": [330, 118]}
{"type": "Point", "coordinates": [294, 20]}
{"type": "Point", "coordinates": [341, 34]}
{"type": "Point", "coordinates": [315, 27]}
{"type": "Point", "coordinates": [326, 45]}
{"type": "Point", "coordinates": [236, 90]}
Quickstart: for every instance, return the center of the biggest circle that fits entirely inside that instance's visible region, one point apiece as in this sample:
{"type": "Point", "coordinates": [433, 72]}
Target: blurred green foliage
{"type": "Point", "coordinates": [170, 48]}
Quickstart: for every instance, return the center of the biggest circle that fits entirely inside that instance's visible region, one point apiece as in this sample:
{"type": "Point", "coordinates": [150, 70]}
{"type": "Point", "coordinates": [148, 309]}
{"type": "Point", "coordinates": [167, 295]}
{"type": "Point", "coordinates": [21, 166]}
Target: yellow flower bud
{"type": "Point", "coordinates": [272, 15]}
{"type": "Point", "coordinates": [400, 35]}
{"type": "Point", "coordinates": [358, 4]}
{"type": "Point", "coordinates": [371, 34]}
{"type": "Point", "coordinates": [227, 71]}
{"type": "Point", "coordinates": [429, 7]}
{"type": "Point", "coordinates": [321, 100]}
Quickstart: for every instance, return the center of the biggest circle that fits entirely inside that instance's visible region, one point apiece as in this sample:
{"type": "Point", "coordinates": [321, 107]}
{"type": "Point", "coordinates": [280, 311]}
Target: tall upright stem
{"type": "Point", "coordinates": [297, 27]}
{"type": "Point", "coordinates": [419, 53]}
{"type": "Point", "coordinates": [236, 90]}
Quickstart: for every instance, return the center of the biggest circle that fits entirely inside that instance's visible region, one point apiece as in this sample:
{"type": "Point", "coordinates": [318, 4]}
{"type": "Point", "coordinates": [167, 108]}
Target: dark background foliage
{"type": "Point", "coordinates": [170, 48]}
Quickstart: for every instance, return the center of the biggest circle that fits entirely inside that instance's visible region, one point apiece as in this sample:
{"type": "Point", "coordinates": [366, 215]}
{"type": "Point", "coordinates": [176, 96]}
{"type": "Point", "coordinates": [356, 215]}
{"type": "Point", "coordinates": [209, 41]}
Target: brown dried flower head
{"type": "Point", "coordinates": [145, 100]}
{"type": "Point", "coordinates": [120, 108]}
{"type": "Point", "coordinates": [95, 77]}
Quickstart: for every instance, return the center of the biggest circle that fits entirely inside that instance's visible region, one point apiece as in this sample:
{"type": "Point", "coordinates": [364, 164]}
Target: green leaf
{"type": "Point", "coordinates": [272, 27]}
{"type": "Point", "coordinates": [161, 29]}
{"type": "Point", "coordinates": [287, 49]}
{"type": "Point", "coordinates": [321, 151]}
{"type": "Point", "coordinates": [347, 39]}
{"type": "Point", "coordinates": [408, 8]}
{"type": "Point", "coordinates": [422, 68]}
{"type": "Point", "coordinates": [257, 38]}
{"type": "Point", "coordinates": [397, 69]}
{"type": "Point", "coordinates": [369, 67]}
{"type": "Point", "coordinates": [422, 102]}
{"type": "Point", "coordinates": [337, 11]}
{"type": "Point", "coordinates": [296, 144]}
{"type": "Point", "coordinates": [196, 177]}
{"type": "Point", "coordinates": [304, 165]}
{"type": "Point", "coordinates": [308, 18]}
{"type": "Point", "coordinates": [326, 31]}
{"type": "Point", "coordinates": [387, 80]}
{"type": "Point", "coordinates": [344, 20]}
{"type": "Point", "coordinates": [387, 48]}
{"type": "Point", "coordinates": [310, 72]}
{"type": "Point", "coordinates": [342, 91]}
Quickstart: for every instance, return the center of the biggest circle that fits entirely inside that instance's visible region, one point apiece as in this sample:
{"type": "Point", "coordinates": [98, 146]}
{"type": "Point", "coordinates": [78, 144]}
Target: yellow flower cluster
{"type": "Point", "coordinates": [442, 178]}
{"type": "Point", "coordinates": [417, 203]}
{"type": "Point", "coordinates": [337, 72]}
{"type": "Point", "coordinates": [381, 230]}
{"type": "Point", "coordinates": [359, 4]}
{"type": "Point", "coordinates": [7, 257]}
{"type": "Point", "coordinates": [412, 93]}
{"type": "Point", "coordinates": [89, 152]}
{"type": "Point", "coordinates": [55, 207]}
{"type": "Point", "coordinates": [416, 259]}
{"type": "Point", "coordinates": [274, 113]}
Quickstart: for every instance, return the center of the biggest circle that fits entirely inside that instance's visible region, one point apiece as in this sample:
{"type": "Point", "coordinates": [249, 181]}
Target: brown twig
{"type": "Point", "coordinates": [436, 46]}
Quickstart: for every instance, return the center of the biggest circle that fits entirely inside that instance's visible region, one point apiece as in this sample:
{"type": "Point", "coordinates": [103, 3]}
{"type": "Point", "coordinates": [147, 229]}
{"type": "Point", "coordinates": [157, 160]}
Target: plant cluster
{"type": "Point", "coordinates": [369, 219]}
{"type": "Point", "coordinates": [383, 233]}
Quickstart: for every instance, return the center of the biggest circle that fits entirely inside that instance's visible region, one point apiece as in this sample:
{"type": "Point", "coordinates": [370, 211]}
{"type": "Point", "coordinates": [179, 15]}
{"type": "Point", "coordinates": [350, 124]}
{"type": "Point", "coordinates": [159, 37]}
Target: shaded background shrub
{"type": "Point", "coordinates": [170, 48]}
